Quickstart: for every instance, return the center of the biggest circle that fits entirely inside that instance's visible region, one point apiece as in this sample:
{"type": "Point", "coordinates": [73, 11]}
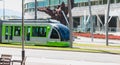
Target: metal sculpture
{"type": "Point", "coordinates": [59, 13]}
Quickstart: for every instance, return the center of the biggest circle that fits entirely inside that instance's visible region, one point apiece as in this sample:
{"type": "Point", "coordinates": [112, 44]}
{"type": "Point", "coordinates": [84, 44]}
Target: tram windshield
{"type": "Point", "coordinates": [64, 32]}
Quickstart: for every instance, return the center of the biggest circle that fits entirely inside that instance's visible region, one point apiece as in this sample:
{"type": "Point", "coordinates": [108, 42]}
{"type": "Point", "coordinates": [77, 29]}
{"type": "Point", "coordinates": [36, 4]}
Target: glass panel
{"type": "Point", "coordinates": [118, 1]}
{"type": "Point", "coordinates": [112, 1]}
{"type": "Point", "coordinates": [34, 31]}
{"type": "Point", "coordinates": [6, 32]}
{"type": "Point", "coordinates": [78, 1]}
{"type": "Point", "coordinates": [104, 1]}
{"type": "Point", "coordinates": [47, 2]}
{"type": "Point", "coordinates": [28, 33]}
{"type": "Point", "coordinates": [54, 34]}
{"type": "Point", "coordinates": [31, 5]}
{"type": "Point", "coordinates": [17, 31]}
{"type": "Point", "coordinates": [11, 32]}
{"type": "Point", "coordinates": [41, 3]}
{"type": "Point", "coordinates": [101, 2]}
{"type": "Point", "coordinates": [42, 32]}
{"type": "Point", "coordinates": [65, 1]}
{"type": "Point", "coordinates": [39, 31]}
{"type": "Point", "coordinates": [51, 2]}
{"type": "Point", "coordinates": [56, 2]}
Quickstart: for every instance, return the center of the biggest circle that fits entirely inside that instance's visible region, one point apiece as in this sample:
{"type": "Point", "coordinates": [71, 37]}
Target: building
{"type": "Point", "coordinates": [10, 17]}
{"type": "Point", "coordinates": [80, 13]}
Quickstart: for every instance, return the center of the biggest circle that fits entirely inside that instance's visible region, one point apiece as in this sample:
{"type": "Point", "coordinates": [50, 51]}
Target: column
{"type": "Point", "coordinates": [118, 24]}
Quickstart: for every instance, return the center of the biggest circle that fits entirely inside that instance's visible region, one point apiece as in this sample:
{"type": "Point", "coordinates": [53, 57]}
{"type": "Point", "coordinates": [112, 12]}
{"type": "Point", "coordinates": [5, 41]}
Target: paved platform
{"type": "Point", "coordinates": [95, 41]}
{"type": "Point", "coordinates": [45, 61]}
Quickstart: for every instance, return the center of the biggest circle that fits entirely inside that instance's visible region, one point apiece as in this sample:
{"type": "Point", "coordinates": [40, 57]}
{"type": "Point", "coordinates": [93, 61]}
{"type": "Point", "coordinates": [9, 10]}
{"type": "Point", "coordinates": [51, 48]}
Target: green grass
{"type": "Point", "coordinates": [92, 48]}
{"type": "Point", "coordinates": [100, 48]}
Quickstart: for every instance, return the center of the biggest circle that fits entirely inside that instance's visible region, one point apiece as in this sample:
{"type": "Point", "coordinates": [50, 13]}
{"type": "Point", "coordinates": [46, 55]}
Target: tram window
{"type": "Point", "coordinates": [28, 34]}
{"type": "Point", "coordinates": [6, 32]}
{"type": "Point", "coordinates": [42, 31]}
{"type": "Point", "coordinates": [54, 34]}
{"type": "Point", "coordinates": [34, 31]}
{"type": "Point", "coordinates": [11, 32]}
{"type": "Point", "coordinates": [39, 31]}
{"type": "Point", "coordinates": [17, 31]}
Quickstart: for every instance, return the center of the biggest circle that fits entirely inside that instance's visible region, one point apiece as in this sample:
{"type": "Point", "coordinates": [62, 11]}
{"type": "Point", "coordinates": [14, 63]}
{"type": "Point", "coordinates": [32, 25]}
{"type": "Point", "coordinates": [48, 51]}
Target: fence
{"type": "Point", "coordinates": [97, 29]}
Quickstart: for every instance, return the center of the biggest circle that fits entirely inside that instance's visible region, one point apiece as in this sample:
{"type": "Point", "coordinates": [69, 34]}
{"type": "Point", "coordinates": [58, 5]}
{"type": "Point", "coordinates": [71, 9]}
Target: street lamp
{"type": "Point", "coordinates": [70, 22]}
{"type": "Point", "coordinates": [35, 9]}
{"type": "Point", "coordinates": [23, 51]}
{"type": "Point", "coordinates": [106, 21]}
{"type": "Point", "coordinates": [3, 9]}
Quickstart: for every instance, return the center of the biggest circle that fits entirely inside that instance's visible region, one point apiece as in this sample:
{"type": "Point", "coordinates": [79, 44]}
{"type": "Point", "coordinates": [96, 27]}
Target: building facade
{"type": "Point", "coordinates": [80, 13]}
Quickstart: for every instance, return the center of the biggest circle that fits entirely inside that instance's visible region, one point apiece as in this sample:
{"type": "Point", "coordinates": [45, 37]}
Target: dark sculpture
{"type": "Point", "coordinates": [57, 13]}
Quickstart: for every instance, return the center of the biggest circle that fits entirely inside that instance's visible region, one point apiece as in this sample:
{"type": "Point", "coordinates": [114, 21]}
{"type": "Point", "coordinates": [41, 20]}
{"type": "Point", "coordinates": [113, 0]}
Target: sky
{"type": "Point", "coordinates": [15, 5]}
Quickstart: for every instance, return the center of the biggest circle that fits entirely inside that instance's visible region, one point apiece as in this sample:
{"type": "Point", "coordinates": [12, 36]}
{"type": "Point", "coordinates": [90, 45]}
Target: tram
{"type": "Point", "coordinates": [36, 32]}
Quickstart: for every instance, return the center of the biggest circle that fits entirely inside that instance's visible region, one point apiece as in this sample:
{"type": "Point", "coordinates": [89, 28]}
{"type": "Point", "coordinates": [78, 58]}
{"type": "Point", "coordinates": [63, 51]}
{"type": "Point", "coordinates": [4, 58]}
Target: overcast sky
{"type": "Point", "coordinates": [15, 5]}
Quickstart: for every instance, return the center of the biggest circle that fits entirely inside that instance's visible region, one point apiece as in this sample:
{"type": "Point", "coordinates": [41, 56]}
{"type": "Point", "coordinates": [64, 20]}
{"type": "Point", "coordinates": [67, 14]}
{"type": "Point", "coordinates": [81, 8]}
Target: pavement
{"type": "Point", "coordinates": [47, 61]}
{"type": "Point", "coordinates": [95, 41]}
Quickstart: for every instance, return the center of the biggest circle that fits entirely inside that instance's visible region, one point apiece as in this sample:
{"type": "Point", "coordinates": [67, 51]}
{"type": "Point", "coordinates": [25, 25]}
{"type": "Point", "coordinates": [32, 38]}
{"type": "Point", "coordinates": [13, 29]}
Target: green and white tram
{"type": "Point", "coordinates": [37, 32]}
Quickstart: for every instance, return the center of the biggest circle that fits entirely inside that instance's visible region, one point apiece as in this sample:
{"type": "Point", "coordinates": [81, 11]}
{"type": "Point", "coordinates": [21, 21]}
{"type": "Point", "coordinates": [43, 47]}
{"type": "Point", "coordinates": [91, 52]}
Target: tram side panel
{"type": "Point", "coordinates": [0, 31]}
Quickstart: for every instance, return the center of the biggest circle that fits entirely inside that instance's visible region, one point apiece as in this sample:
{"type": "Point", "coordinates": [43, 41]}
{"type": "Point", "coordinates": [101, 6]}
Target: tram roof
{"type": "Point", "coordinates": [30, 21]}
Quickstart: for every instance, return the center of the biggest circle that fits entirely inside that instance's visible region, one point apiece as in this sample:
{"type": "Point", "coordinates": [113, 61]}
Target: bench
{"type": "Point", "coordinates": [5, 59]}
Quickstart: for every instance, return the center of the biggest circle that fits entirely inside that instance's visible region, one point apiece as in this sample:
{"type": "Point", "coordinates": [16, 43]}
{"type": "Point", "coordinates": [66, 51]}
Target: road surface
{"type": "Point", "coordinates": [50, 57]}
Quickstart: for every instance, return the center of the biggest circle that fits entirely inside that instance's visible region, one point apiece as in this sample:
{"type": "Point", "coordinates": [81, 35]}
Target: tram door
{"type": "Point", "coordinates": [9, 33]}
{"type": "Point", "coordinates": [28, 34]}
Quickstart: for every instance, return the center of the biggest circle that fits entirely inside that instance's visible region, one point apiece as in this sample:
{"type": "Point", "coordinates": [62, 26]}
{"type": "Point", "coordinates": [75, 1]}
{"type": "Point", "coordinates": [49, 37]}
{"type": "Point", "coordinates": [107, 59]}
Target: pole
{"type": "Point", "coordinates": [106, 21]}
{"type": "Point", "coordinates": [71, 23]}
{"type": "Point", "coordinates": [23, 51]}
{"type": "Point", "coordinates": [3, 9]}
{"type": "Point", "coordinates": [91, 20]}
{"type": "Point", "coordinates": [35, 9]}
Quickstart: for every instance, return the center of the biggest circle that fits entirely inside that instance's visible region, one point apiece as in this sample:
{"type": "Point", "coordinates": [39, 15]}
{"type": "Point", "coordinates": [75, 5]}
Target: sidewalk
{"type": "Point", "coordinates": [95, 41]}
{"type": "Point", "coordinates": [45, 61]}
{"type": "Point", "coordinates": [48, 61]}
{"type": "Point", "coordinates": [100, 44]}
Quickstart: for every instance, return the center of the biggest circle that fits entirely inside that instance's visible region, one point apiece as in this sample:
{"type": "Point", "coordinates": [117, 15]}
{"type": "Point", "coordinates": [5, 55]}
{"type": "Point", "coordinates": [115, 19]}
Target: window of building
{"type": "Point", "coordinates": [86, 3]}
{"type": "Point", "coordinates": [100, 2]}
{"type": "Point", "coordinates": [82, 4]}
{"type": "Point", "coordinates": [112, 1]}
{"type": "Point", "coordinates": [76, 4]}
{"type": "Point", "coordinates": [65, 1]}
{"type": "Point", "coordinates": [31, 5]}
{"type": "Point", "coordinates": [104, 1]}
{"type": "Point", "coordinates": [41, 3]}
{"type": "Point", "coordinates": [17, 31]}
{"type": "Point", "coordinates": [96, 2]}
{"type": "Point", "coordinates": [118, 1]}
{"type": "Point", "coordinates": [39, 31]}
{"type": "Point", "coordinates": [92, 2]}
